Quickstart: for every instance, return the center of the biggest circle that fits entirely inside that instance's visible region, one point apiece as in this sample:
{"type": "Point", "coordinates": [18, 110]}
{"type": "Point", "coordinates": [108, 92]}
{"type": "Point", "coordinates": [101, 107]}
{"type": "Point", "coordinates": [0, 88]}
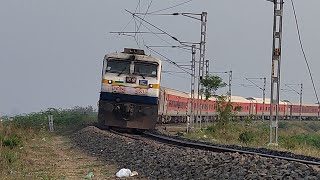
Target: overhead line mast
{"type": "Point", "coordinates": [193, 80]}
{"type": "Point", "coordinates": [202, 60]}
{"type": "Point", "coordinates": [275, 72]}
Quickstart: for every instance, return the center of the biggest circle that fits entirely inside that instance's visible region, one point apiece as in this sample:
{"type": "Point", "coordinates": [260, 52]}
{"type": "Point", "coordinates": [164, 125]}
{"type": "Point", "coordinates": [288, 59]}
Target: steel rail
{"type": "Point", "coordinates": [125, 135]}
{"type": "Point", "coordinates": [214, 148]}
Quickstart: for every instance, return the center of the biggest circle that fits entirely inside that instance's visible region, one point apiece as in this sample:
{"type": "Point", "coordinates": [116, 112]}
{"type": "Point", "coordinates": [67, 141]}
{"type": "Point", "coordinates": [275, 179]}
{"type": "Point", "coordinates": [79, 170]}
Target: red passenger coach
{"type": "Point", "coordinates": [175, 106]}
{"type": "Point", "coordinates": [177, 103]}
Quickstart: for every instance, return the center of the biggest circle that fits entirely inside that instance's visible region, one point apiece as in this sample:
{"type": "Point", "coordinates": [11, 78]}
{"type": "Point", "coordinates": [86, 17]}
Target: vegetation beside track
{"type": "Point", "coordinates": [297, 137]}
{"type": "Point", "coordinates": [29, 151]}
{"type": "Point", "coordinates": [293, 136]}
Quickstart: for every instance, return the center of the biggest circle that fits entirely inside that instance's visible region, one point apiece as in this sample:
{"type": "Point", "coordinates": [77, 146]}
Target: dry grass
{"type": "Point", "coordinates": [47, 156]}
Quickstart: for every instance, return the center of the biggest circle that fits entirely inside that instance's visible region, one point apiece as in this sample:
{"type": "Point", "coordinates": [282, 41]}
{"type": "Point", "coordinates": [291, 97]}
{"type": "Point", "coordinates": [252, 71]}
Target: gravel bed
{"type": "Point", "coordinates": [257, 150]}
{"type": "Point", "coordinates": [158, 161]}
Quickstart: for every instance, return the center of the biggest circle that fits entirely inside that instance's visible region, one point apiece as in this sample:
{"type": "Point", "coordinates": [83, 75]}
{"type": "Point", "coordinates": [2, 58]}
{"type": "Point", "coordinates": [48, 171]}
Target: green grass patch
{"type": "Point", "coordinates": [246, 137]}
{"type": "Point", "coordinates": [12, 141]}
{"type": "Point", "coordinates": [9, 157]}
{"type": "Point", "coordinates": [300, 140]}
{"type": "Point", "coordinates": [297, 137]}
{"type": "Point", "coordinates": [62, 118]}
{"type": "Point", "coordinates": [283, 125]}
{"type": "Point", "coordinates": [313, 126]}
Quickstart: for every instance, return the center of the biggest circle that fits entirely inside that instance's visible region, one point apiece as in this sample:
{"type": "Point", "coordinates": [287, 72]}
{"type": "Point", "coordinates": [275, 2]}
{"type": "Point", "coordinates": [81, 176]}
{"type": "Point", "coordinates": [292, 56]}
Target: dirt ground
{"type": "Point", "coordinates": [54, 157]}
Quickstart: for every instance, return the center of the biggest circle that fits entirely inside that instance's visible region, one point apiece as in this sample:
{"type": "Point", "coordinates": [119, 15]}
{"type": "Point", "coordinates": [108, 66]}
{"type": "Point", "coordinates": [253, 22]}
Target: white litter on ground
{"type": "Point", "coordinates": [126, 173]}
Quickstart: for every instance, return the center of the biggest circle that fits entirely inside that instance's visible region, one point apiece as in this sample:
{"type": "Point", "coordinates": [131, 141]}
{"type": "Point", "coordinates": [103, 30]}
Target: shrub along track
{"type": "Point", "coordinates": [154, 160]}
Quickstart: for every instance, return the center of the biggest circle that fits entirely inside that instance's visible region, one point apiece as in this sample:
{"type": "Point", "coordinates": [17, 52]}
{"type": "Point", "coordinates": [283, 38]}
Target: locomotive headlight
{"type": "Point", "coordinates": [150, 85]}
{"type": "Point", "coordinates": [110, 81]}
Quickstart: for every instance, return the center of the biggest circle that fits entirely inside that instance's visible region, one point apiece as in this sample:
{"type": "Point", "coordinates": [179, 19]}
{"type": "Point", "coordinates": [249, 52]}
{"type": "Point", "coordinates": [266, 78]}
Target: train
{"type": "Point", "coordinates": [130, 89]}
{"type": "Point", "coordinates": [131, 97]}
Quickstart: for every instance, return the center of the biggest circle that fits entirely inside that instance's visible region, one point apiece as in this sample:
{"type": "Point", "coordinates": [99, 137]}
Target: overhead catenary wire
{"type": "Point", "coordinates": [180, 4]}
{"type": "Point", "coordinates": [173, 74]}
{"type": "Point", "coordinates": [134, 37]}
{"type": "Point", "coordinates": [185, 48]}
{"type": "Point", "coordinates": [250, 80]}
{"type": "Point", "coordinates": [174, 38]}
{"type": "Point", "coordinates": [144, 15]}
{"type": "Point", "coordinates": [291, 89]}
{"type": "Point", "coordinates": [132, 16]}
{"type": "Point", "coordinates": [154, 33]}
{"type": "Point", "coordinates": [303, 51]}
{"type": "Point", "coordinates": [157, 34]}
{"type": "Point", "coordinates": [141, 20]}
{"type": "Point", "coordinates": [138, 28]}
{"type": "Point", "coordinates": [168, 60]}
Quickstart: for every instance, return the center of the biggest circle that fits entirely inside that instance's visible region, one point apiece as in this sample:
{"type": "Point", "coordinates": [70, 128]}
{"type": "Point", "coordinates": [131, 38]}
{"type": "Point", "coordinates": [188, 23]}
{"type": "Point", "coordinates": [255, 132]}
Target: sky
{"type": "Point", "coordinates": [51, 52]}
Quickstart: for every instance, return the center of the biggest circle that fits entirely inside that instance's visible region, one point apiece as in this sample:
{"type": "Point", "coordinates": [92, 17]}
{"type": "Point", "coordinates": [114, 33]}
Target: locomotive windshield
{"type": "Point", "coordinates": [145, 69]}
{"type": "Point", "coordinates": [118, 66]}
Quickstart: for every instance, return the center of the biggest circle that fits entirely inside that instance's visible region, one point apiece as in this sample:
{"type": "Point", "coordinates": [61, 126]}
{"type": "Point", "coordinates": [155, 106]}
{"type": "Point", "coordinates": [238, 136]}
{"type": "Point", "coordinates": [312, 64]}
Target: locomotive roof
{"type": "Point", "coordinates": [138, 57]}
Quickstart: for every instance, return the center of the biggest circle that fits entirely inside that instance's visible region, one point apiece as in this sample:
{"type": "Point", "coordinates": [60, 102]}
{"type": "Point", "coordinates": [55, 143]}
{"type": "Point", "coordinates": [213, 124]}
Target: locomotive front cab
{"type": "Point", "coordinates": [129, 90]}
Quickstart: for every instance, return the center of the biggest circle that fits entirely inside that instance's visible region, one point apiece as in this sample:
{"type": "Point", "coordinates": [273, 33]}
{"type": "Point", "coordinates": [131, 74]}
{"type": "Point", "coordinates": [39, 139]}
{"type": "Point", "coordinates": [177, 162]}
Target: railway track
{"type": "Point", "coordinates": [215, 148]}
{"type": "Point", "coordinates": [131, 136]}
{"type": "Point", "coordinates": [156, 159]}
{"type": "Point", "coordinates": [208, 147]}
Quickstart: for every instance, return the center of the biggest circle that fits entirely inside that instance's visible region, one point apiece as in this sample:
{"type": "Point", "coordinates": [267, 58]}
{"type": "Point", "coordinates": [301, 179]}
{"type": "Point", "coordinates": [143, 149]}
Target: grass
{"type": "Point", "coordinates": [25, 143]}
{"type": "Point", "coordinates": [297, 137]}
{"type": "Point", "coordinates": [10, 148]}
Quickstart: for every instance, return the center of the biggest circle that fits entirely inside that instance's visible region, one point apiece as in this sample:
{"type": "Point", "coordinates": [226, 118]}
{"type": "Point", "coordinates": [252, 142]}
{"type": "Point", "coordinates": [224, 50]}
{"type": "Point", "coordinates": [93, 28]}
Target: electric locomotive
{"type": "Point", "coordinates": [129, 90]}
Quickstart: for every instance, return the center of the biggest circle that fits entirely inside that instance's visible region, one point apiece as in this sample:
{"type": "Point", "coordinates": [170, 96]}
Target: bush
{"type": "Point", "coordinates": [283, 125]}
{"type": "Point", "coordinates": [246, 137]}
{"type": "Point", "coordinates": [11, 141]}
{"type": "Point", "coordinates": [315, 141]}
{"type": "Point", "coordinates": [302, 140]}
{"type": "Point", "coordinates": [288, 142]}
{"type": "Point", "coordinates": [248, 119]}
{"type": "Point", "coordinates": [61, 118]}
{"type": "Point", "coordinates": [314, 126]}
{"type": "Point", "coordinates": [211, 129]}
{"type": "Point", "coordinates": [9, 157]}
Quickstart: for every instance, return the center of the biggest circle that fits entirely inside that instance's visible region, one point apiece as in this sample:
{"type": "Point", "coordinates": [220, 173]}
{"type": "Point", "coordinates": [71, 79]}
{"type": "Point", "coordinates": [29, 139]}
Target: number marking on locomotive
{"type": "Point", "coordinates": [118, 89]}
{"type": "Point", "coordinates": [141, 91]}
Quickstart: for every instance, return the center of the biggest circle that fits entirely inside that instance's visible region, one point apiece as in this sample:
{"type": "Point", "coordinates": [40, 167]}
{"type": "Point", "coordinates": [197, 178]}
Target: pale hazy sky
{"type": "Point", "coordinates": [51, 51]}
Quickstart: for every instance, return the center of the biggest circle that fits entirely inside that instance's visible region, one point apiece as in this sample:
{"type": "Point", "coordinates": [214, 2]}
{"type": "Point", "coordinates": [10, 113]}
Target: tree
{"type": "Point", "coordinates": [224, 108]}
{"type": "Point", "coordinates": [238, 108]}
{"type": "Point", "coordinates": [211, 84]}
